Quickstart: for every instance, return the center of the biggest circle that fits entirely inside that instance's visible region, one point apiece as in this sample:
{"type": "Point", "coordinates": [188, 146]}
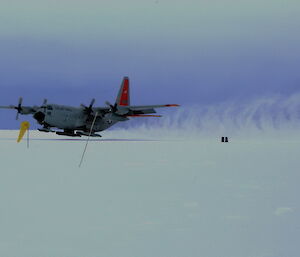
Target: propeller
{"type": "Point", "coordinates": [19, 107]}
{"type": "Point", "coordinates": [115, 111]}
{"type": "Point", "coordinates": [113, 107]}
{"type": "Point", "coordinates": [45, 102]}
{"type": "Point", "coordinates": [88, 110]}
{"type": "Point", "coordinates": [44, 105]}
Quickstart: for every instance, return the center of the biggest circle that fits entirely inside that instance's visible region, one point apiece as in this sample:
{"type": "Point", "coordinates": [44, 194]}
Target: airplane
{"type": "Point", "coordinates": [86, 120]}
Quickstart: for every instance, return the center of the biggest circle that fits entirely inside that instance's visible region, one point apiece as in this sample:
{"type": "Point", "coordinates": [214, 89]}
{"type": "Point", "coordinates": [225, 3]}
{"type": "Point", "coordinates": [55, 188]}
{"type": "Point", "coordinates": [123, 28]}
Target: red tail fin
{"type": "Point", "coordinates": [123, 98]}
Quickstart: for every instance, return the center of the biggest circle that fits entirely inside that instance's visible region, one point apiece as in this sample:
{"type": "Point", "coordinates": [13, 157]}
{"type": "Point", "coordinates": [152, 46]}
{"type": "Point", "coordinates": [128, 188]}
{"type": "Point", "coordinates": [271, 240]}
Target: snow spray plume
{"type": "Point", "coordinates": [266, 114]}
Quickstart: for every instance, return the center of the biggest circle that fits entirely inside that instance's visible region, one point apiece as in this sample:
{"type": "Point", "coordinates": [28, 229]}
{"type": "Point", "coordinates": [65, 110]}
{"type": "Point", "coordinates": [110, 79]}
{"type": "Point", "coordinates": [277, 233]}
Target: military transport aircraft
{"type": "Point", "coordinates": [86, 120]}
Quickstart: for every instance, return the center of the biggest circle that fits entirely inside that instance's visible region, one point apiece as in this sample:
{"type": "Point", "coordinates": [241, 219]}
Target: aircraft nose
{"type": "Point", "coordinates": [39, 116]}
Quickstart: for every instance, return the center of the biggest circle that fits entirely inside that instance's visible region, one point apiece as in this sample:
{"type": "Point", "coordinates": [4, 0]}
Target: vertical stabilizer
{"type": "Point", "coordinates": [123, 98]}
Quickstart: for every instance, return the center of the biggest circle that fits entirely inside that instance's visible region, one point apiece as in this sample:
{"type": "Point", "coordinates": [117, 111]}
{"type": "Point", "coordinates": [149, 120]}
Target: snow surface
{"type": "Point", "coordinates": [151, 195]}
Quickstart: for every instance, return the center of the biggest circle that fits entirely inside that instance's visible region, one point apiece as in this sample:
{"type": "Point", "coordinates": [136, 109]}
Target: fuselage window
{"type": "Point", "coordinates": [49, 107]}
{"type": "Point", "coordinates": [49, 113]}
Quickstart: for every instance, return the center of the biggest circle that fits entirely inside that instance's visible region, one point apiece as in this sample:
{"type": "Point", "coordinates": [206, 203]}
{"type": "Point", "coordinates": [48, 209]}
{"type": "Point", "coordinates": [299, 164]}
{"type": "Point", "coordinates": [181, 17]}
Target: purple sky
{"type": "Point", "coordinates": [198, 53]}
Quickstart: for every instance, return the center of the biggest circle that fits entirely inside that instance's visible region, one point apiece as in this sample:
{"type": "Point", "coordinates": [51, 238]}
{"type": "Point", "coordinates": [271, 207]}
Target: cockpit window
{"type": "Point", "coordinates": [49, 107]}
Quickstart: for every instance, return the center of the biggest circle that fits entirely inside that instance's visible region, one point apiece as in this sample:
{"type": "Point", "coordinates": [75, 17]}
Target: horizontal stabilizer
{"type": "Point", "coordinates": [143, 107]}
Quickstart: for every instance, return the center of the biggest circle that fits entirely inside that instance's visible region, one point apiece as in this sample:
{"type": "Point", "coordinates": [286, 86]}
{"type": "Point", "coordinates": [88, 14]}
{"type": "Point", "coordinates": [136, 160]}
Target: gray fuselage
{"type": "Point", "coordinates": [71, 118]}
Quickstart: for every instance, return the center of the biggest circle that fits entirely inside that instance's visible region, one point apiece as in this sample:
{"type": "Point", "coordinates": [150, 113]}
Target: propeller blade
{"type": "Point", "coordinates": [108, 103]}
{"type": "Point", "coordinates": [92, 103]}
{"type": "Point", "coordinates": [20, 102]}
{"type": "Point", "coordinates": [88, 110]}
{"type": "Point", "coordinates": [114, 108]}
{"type": "Point", "coordinates": [19, 107]}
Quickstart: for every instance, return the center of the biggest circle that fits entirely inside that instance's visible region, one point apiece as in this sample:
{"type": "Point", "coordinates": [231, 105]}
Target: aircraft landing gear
{"type": "Point", "coordinates": [69, 133]}
{"type": "Point", "coordinates": [87, 134]}
{"type": "Point", "coordinates": [45, 129]}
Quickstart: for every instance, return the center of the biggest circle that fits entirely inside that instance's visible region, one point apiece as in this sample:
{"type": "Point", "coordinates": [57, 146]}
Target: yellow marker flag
{"type": "Point", "coordinates": [24, 127]}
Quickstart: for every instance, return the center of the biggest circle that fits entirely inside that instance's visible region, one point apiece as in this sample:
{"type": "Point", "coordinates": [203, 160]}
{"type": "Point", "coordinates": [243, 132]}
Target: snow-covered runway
{"type": "Point", "coordinates": [152, 197]}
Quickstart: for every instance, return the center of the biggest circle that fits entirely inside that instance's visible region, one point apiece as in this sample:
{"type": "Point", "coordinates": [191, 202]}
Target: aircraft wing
{"type": "Point", "coordinates": [22, 110]}
{"type": "Point", "coordinates": [7, 107]}
{"type": "Point", "coordinates": [134, 110]}
{"type": "Point", "coordinates": [145, 109]}
{"type": "Point", "coordinates": [101, 109]}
